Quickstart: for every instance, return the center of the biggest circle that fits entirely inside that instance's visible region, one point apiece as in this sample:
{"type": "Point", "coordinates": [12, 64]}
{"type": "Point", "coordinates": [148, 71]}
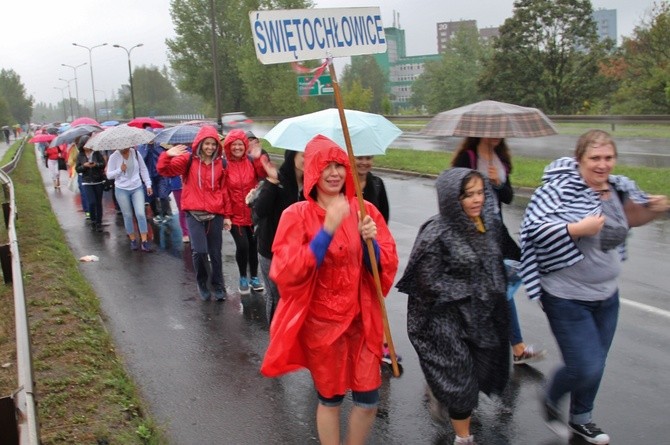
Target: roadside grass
{"type": "Point", "coordinates": [527, 172]}
{"type": "Point", "coordinates": [83, 392]}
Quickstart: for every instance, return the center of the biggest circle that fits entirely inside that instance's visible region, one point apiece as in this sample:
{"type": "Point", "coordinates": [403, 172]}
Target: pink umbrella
{"type": "Point", "coordinates": [45, 137]}
{"type": "Point", "coordinates": [142, 122]}
{"type": "Point", "coordinates": [83, 121]}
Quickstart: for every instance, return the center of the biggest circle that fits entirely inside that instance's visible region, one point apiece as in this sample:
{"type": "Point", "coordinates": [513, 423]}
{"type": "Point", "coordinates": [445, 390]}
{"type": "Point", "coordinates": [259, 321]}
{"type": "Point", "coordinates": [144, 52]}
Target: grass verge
{"type": "Point", "coordinates": [84, 394]}
{"type": "Point", "coordinates": [526, 173]}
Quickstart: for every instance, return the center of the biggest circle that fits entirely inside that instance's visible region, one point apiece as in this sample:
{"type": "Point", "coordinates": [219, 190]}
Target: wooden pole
{"type": "Point", "coordinates": [361, 207]}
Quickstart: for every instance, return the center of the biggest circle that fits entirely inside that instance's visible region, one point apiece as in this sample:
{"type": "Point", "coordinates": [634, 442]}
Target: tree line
{"type": "Point", "coordinates": [547, 55]}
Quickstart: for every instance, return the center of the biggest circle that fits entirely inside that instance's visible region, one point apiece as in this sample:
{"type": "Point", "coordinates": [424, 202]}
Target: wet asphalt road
{"type": "Point", "coordinates": [197, 363]}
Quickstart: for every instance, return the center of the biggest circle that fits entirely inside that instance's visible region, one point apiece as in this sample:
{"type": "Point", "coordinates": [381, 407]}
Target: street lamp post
{"type": "Point", "coordinates": [76, 84]}
{"type": "Point", "coordinates": [90, 62]}
{"type": "Point", "coordinates": [69, 94]}
{"type": "Point", "coordinates": [62, 92]}
{"type": "Point", "coordinates": [130, 73]}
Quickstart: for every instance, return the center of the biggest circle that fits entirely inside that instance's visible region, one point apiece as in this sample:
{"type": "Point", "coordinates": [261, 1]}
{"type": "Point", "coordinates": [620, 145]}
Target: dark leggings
{"type": "Point", "coordinates": [246, 251]}
{"type": "Point", "coordinates": [93, 193]}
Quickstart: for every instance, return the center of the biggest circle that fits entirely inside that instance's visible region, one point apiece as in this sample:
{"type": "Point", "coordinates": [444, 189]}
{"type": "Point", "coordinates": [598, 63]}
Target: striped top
{"type": "Point", "coordinates": [563, 198]}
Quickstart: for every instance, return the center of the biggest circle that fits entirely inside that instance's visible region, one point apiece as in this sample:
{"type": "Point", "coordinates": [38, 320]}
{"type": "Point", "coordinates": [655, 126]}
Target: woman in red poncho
{"type": "Point", "coordinates": [329, 318]}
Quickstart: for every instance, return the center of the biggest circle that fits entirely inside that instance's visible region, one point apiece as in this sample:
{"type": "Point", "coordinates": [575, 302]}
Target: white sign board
{"type": "Point", "coordinates": [291, 35]}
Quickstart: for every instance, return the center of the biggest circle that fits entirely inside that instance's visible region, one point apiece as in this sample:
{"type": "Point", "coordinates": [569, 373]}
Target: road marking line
{"type": "Point", "coordinates": [646, 307]}
{"type": "Point", "coordinates": [642, 153]}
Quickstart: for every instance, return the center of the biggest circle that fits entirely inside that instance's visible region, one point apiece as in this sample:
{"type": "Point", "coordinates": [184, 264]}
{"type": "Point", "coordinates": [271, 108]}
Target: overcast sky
{"type": "Point", "coordinates": [37, 35]}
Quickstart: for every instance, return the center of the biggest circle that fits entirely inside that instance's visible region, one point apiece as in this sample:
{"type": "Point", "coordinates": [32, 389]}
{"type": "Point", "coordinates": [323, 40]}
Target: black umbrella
{"type": "Point", "coordinates": [179, 134]}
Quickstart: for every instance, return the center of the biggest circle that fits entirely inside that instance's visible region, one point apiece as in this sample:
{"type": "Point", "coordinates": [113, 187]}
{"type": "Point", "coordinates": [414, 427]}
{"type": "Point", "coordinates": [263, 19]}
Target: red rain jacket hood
{"type": "Point", "coordinates": [203, 184]}
{"type": "Point", "coordinates": [319, 152]}
{"type": "Point", "coordinates": [242, 175]}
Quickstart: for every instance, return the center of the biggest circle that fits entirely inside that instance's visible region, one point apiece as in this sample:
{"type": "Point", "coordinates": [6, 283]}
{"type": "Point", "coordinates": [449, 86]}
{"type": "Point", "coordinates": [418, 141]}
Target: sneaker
{"type": "Point", "coordinates": [88, 216]}
{"type": "Point", "coordinates": [553, 420]}
{"type": "Point", "coordinates": [185, 239]}
{"type": "Point", "coordinates": [146, 247]}
{"type": "Point", "coordinates": [134, 245]}
{"type": "Point", "coordinates": [244, 286]}
{"type": "Point", "coordinates": [220, 295]}
{"type": "Point", "coordinates": [158, 219]}
{"type": "Point", "coordinates": [469, 440]}
{"type": "Point", "coordinates": [204, 293]}
{"type": "Point", "coordinates": [256, 284]}
{"type": "Point", "coordinates": [590, 432]}
{"type": "Point", "coordinates": [529, 356]}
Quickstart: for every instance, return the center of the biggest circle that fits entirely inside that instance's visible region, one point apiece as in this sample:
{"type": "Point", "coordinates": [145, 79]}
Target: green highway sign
{"type": "Point", "coordinates": [322, 87]}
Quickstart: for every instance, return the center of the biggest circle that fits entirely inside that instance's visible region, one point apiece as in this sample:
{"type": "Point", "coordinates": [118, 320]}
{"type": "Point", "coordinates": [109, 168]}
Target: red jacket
{"type": "Point", "coordinates": [53, 153]}
{"type": "Point", "coordinates": [242, 175]}
{"type": "Point", "coordinates": [319, 303]}
{"type": "Point", "coordinates": [203, 185]}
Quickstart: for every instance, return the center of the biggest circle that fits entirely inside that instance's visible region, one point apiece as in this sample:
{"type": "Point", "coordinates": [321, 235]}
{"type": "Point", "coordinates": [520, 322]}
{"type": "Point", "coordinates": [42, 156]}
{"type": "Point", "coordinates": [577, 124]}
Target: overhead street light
{"type": "Point", "coordinates": [76, 84]}
{"type": "Point", "coordinates": [130, 73]}
{"type": "Point", "coordinates": [90, 61]}
{"type": "Point", "coordinates": [69, 93]}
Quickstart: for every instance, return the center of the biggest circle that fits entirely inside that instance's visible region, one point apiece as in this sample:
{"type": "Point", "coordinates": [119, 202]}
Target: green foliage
{"type": "Point", "coordinates": [357, 98]}
{"type": "Point", "coordinates": [365, 71]}
{"type": "Point", "coordinates": [6, 117]}
{"type": "Point", "coordinates": [452, 82]}
{"type": "Point", "coordinates": [154, 93]}
{"type": "Point", "coordinates": [245, 84]}
{"type": "Point", "coordinates": [645, 85]}
{"type": "Point", "coordinates": [12, 90]}
{"type": "Point", "coordinates": [547, 57]}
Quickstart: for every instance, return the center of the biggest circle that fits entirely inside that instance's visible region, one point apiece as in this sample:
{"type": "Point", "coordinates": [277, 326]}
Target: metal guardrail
{"type": "Point", "coordinates": [27, 430]}
{"type": "Point", "coordinates": [612, 120]}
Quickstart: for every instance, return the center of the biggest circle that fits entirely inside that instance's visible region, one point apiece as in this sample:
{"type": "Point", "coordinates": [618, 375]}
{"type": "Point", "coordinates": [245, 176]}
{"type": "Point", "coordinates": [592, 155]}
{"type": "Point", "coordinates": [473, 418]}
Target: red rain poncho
{"type": "Point", "coordinates": [329, 318]}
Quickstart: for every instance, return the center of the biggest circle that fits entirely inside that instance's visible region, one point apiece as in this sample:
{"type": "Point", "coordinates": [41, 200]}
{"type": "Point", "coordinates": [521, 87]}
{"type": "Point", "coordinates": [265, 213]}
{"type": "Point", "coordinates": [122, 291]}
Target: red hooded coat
{"type": "Point", "coordinates": [204, 186]}
{"type": "Point", "coordinates": [329, 318]}
{"type": "Point", "coordinates": [242, 176]}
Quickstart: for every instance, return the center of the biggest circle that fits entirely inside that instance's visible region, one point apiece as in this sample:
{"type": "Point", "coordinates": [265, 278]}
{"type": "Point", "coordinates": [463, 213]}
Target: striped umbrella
{"type": "Point", "coordinates": [491, 119]}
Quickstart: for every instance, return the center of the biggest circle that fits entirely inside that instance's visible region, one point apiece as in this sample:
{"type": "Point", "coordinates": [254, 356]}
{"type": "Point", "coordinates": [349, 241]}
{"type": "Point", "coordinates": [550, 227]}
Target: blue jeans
{"type": "Point", "coordinates": [84, 202]}
{"type": "Point", "coordinates": [584, 331]}
{"type": "Point", "coordinates": [515, 336]}
{"type": "Point", "coordinates": [129, 201]}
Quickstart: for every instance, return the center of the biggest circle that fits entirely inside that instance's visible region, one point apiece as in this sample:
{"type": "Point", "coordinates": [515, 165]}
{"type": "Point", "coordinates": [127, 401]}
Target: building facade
{"type": "Point", "coordinates": [400, 70]}
{"type": "Point", "coordinates": [605, 23]}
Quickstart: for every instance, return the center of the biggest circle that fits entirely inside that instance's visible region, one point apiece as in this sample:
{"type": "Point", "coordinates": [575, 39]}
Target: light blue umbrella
{"type": "Point", "coordinates": [110, 123]}
{"type": "Point", "coordinates": [371, 134]}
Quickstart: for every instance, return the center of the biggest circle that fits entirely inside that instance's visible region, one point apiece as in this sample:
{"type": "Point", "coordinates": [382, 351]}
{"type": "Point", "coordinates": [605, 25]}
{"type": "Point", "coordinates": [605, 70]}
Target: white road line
{"type": "Point", "coordinates": [642, 153]}
{"type": "Point", "coordinates": [646, 307]}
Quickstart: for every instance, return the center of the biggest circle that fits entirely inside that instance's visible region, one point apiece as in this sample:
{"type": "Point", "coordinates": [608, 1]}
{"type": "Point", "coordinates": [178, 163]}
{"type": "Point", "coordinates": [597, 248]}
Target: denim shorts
{"type": "Point", "coordinates": [365, 399]}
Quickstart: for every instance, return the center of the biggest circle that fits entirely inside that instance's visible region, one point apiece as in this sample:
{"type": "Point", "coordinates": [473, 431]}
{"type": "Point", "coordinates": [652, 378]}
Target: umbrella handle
{"type": "Point", "coordinates": [361, 207]}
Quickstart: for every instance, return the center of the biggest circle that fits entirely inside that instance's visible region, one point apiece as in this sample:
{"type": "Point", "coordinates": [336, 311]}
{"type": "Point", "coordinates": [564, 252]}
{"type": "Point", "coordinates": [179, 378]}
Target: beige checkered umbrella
{"type": "Point", "coordinates": [491, 119]}
{"type": "Point", "coordinates": [118, 138]}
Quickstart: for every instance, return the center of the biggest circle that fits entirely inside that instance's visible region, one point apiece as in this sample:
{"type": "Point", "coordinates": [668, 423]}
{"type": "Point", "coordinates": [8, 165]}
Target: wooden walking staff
{"type": "Point", "coordinates": [294, 35]}
{"type": "Point", "coordinates": [361, 207]}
